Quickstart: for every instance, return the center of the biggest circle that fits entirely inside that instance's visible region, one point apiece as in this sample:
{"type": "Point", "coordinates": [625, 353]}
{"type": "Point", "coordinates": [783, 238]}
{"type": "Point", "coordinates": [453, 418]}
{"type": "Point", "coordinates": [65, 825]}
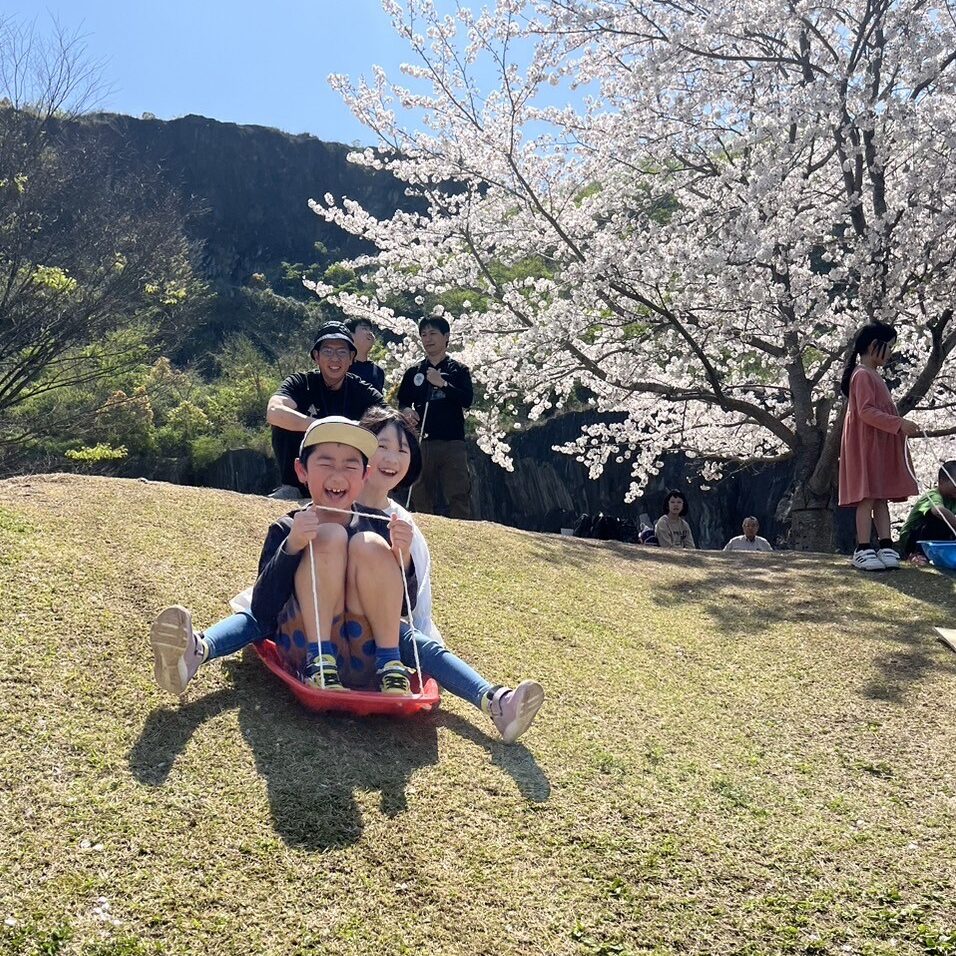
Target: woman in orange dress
{"type": "Point", "coordinates": [873, 466]}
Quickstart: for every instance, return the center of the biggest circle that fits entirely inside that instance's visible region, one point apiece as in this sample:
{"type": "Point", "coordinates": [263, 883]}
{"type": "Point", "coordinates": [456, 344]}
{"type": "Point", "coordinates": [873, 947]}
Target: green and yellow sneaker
{"type": "Point", "coordinates": [323, 669]}
{"type": "Point", "coordinates": [393, 679]}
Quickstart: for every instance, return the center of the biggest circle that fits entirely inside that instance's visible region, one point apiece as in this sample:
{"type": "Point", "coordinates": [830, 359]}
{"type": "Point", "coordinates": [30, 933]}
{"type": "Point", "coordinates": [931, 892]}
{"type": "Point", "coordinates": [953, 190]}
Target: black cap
{"type": "Point", "coordinates": [334, 331]}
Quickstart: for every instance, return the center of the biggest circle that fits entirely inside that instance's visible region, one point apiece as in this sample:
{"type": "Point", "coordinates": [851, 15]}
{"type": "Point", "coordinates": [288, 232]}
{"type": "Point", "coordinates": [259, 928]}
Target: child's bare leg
{"type": "Point", "coordinates": [330, 553]}
{"type": "Point", "coordinates": [374, 591]}
{"type": "Point", "coordinates": [864, 521]}
{"type": "Point", "coordinates": [374, 587]}
{"type": "Point", "coordinates": [881, 518]}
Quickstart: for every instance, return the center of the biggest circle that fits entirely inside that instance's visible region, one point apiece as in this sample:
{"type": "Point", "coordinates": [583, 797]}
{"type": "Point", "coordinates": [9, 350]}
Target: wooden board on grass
{"type": "Point", "coordinates": [947, 636]}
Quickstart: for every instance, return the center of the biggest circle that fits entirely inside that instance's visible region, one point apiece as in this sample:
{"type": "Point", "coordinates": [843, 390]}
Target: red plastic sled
{"type": "Point", "coordinates": [361, 703]}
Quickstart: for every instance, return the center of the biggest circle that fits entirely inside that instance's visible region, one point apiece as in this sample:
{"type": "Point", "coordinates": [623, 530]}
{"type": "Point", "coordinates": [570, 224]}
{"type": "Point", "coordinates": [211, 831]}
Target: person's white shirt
{"type": "Point", "coordinates": [743, 543]}
{"type": "Point", "coordinates": [422, 615]}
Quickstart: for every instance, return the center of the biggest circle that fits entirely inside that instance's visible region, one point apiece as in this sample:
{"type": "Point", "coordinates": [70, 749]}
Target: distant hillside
{"type": "Point", "coordinates": [739, 754]}
{"type": "Point", "coordinates": [254, 184]}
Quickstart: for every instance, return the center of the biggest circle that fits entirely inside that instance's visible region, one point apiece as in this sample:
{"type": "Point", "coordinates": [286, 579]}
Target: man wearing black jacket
{"type": "Point", "coordinates": [305, 397]}
{"type": "Point", "coordinates": [433, 396]}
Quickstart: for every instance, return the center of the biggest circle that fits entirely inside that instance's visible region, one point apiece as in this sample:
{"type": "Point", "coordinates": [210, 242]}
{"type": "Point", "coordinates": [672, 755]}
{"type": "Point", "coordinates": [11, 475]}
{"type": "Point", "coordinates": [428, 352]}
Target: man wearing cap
{"type": "Point", "coordinates": [433, 396]}
{"type": "Point", "coordinates": [304, 397]}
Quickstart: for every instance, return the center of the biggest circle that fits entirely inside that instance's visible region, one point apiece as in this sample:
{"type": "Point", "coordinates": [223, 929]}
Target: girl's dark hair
{"type": "Point", "coordinates": [377, 419]}
{"type": "Point", "coordinates": [878, 332]}
{"type": "Point", "coordinates": [674, 493]}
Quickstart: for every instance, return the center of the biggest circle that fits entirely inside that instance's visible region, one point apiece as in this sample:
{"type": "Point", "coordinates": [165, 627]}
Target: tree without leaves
{"type": "Point", "coordinates": [85, 249]}
{"type": "Point", "coordinates": [748, 183]}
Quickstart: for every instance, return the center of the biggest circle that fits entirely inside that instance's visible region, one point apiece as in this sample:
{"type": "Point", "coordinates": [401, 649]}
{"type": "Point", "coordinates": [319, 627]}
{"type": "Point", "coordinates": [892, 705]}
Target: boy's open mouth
{"type": "Point", "coordinates": [334, 494]}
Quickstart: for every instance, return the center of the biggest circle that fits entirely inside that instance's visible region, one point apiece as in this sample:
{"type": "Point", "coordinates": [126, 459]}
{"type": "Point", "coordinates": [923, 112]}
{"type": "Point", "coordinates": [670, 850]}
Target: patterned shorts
{"type": "Point", "coordinates": [352, 637]}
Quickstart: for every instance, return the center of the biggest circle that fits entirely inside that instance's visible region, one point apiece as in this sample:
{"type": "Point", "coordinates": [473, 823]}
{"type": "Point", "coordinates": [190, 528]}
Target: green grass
{"type": "Point", "coordinates": [739, 754]}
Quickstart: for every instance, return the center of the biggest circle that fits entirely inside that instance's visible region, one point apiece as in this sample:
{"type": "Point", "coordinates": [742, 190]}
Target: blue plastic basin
{"type": "Point", "coordinates": [941, 553]}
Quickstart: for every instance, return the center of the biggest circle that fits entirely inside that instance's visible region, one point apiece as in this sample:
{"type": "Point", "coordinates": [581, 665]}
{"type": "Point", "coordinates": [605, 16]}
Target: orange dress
{"type": "Point", "coordinates": [872, 454]}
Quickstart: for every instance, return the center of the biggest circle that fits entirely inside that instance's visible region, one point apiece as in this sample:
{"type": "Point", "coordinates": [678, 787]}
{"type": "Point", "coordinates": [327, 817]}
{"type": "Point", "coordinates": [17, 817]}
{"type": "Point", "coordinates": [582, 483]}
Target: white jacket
{"type": "Point", "coordinates": [422, 615]}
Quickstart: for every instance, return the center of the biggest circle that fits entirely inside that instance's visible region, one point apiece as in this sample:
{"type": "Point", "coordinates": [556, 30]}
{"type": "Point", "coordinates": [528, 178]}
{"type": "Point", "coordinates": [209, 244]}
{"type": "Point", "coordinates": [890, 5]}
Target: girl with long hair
{"type": "Point", "coordinates": [873, 468]}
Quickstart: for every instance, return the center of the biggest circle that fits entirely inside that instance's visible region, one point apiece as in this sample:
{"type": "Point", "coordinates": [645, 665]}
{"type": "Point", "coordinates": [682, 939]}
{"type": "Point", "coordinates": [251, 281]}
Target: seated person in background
{"type": "Point", "coordinates": [671, 530]}
{"type": "Point", "coordinates": [362, 366]}
{"type": "Point", "coordinates": [932, 517]}
{"type": "Point", "coordinates": [749, 540]}
{"type": "Point", "coordinates": [305, 397]}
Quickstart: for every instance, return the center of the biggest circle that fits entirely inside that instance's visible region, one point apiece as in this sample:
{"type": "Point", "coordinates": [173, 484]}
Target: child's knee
{"type": "Point", "coordinates": [369, 548]}
{"type": "Point", "coordinates": [331, 539]}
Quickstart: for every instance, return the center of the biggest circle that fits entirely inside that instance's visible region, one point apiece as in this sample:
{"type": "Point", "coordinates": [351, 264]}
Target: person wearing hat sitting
{"type": "Point", "coordinates": [328, 389]}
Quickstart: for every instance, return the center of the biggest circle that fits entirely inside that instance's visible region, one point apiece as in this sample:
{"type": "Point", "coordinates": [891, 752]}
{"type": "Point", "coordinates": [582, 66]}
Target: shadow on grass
{"type": "Point", "coordinates": [745, 593]}
{"type": "Point", "coordinates": [313, 764]}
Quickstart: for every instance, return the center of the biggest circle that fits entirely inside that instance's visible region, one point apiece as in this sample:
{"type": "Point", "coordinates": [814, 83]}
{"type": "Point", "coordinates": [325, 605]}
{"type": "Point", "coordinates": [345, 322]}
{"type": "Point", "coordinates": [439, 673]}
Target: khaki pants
{"type": "Point", "coordinates": [444, 469]}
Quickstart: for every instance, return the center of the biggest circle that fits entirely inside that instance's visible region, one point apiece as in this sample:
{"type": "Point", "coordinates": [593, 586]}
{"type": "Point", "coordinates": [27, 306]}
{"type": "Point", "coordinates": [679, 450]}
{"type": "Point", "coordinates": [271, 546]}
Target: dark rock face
{"type": "Point", "coordinates": [548, 491]}
{"type": "Point", "coordinates": [241, 470]}
{"type": "Point", "coordinates": [251, 186]}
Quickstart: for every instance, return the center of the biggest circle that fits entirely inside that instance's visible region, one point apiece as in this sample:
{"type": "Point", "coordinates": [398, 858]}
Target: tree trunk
{"type": "Point", "coordinates": [811, 504]}
{"type": "Point", "coordinates": [811, 519]}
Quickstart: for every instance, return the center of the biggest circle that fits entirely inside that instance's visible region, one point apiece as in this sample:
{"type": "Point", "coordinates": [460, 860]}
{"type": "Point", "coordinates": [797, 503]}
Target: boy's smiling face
{"type": "Point", "coordinates": [334, 474]}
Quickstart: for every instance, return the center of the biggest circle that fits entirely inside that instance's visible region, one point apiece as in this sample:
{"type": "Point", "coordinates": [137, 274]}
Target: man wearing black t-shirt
{"type": "Point", "coordinates": [362, 365]}
{"type": "Point", "coordinates": [329, 389]}
{"type": "Point", "coordinates": [434, 395]}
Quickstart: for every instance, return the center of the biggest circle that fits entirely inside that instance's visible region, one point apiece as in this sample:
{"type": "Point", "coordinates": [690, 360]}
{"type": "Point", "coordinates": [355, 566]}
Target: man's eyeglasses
{"type": "Point", "coordinates": [330, 353]}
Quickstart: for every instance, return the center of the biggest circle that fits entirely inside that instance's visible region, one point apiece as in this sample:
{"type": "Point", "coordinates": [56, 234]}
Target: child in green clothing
{"type": "Point", "coordinates": [933, 516]}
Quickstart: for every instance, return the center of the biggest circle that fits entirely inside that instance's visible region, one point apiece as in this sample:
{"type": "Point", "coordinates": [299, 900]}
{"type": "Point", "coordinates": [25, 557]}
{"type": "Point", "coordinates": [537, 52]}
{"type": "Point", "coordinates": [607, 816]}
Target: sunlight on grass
{"type": "Point", "coordinates": [738, 754]}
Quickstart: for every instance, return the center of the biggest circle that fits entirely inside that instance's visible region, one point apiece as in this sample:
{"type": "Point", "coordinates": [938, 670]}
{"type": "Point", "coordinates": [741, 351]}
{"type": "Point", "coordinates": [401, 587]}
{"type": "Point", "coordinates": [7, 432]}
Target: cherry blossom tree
{"type": "Point", "coordinates": [734, 189]}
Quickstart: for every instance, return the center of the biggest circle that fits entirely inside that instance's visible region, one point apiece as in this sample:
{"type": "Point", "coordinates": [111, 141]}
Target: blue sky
{"type": "Point", "coordinates": [243, 61]}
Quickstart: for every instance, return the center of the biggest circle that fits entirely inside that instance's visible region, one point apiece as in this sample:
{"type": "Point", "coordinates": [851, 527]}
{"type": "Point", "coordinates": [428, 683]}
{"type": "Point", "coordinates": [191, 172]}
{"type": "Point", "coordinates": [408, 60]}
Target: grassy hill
{"type": "Point", "coordinates": [739, 753]}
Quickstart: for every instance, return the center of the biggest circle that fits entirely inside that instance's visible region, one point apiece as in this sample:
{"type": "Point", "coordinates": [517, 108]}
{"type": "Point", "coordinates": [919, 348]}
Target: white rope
{"type": "Point", "coordinates": [408, 608]}
{"type": "Point", "coordinates": [421, 432]}
{"type": "Point", "coordinates": [315, 607]}
{"type": "Point", "coordinates": [408, 602]}
{"type": "Point", "coordinates": [909, 467]}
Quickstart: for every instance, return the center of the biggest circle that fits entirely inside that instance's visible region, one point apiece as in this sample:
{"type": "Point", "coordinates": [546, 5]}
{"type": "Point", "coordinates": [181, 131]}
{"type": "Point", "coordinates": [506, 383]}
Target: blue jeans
{"type": "Point", "coordinates": [233, 633]}
{"type": "Point", "coordinates": [437, 661]}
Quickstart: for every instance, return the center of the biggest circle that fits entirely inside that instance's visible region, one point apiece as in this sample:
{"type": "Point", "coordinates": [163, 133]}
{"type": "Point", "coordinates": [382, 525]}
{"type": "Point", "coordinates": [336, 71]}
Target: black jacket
{"type": "Point", "coordinates": [445, 419]}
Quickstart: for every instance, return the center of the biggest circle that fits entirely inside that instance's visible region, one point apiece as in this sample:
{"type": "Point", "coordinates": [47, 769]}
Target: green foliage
{"type": "Point", "coordinates": [54, 279]}
{"type": "Point", "coordinates": [26, 939]}
{"type": "Point", "coordinates": [95, 454]}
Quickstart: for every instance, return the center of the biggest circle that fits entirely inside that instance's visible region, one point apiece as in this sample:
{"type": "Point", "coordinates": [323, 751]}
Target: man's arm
{"type": "Point", "coordinates": [458, 385]}
{"type": "Point", "coordinates": [406, 391]}
{"type": "Point", "coordinates": [944, 514]}
{"type": "Point", "coordinates": [281, 412]}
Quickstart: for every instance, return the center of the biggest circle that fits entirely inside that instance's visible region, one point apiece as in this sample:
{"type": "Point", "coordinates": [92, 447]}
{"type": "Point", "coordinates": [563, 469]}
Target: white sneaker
{"type": "Point", "coordinates": [177, 651]}
{"type": "Point", "coordinates": [513, 710]}
{"type": "Point", "coordinates": [867, 560]}
{"type": "Point", "coordinates": [889, 558]}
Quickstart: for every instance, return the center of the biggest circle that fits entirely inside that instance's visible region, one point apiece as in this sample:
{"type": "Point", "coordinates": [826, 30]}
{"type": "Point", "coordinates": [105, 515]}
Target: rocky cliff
{"type": "Point", "coordinates": [250, 186]}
